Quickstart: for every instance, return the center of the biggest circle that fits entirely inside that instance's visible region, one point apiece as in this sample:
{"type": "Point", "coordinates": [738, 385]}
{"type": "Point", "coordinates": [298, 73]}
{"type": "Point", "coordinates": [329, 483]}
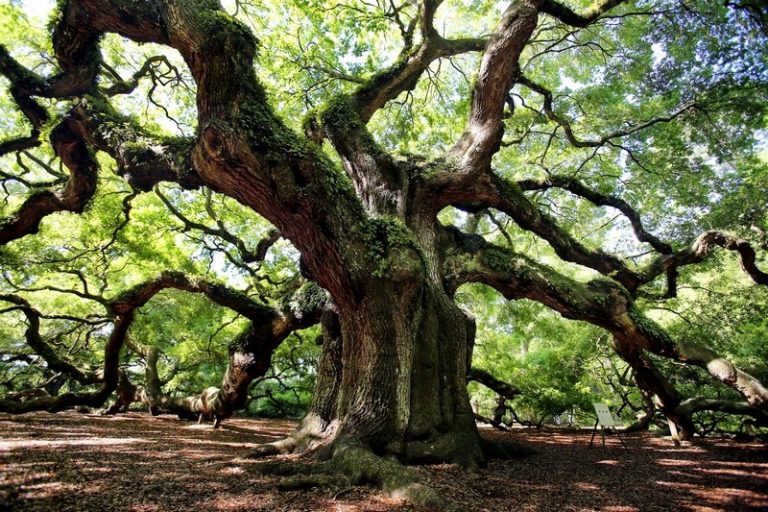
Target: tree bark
{"type": "Point", "coordinates": [393, 371]}
{"type": "Point", "coordinates": [392, 376]}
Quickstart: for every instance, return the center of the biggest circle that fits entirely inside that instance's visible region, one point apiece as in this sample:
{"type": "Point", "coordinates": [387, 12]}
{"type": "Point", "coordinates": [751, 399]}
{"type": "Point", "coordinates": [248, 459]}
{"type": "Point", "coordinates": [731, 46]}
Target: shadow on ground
{"type": "Point", "coordinates": [138, 463]}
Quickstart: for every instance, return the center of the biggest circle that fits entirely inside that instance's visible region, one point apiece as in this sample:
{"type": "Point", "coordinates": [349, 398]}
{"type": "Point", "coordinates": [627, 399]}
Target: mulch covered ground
{"type": "Point", "coordinates": [137, 463]}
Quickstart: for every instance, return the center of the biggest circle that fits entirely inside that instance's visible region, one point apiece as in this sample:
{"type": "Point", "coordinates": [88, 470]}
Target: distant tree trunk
{"type": "Point", "coordinates": [250, 353]}
{"type": "Point", "coordinates": [644, 421]}
{"type": "Point", "coordinates": [126, 394]}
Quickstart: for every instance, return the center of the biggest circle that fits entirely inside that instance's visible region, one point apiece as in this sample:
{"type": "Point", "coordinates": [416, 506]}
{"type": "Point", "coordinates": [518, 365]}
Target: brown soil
{"type": "Point", "coordinates": [137, 463]}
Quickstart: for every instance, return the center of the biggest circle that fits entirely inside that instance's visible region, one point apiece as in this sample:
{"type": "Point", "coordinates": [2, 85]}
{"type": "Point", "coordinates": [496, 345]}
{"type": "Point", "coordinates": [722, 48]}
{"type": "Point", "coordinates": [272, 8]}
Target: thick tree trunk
{"type": "Point", "coordinates": [392, 376]}
{"type": "Point", "coordinates": [393, 372]}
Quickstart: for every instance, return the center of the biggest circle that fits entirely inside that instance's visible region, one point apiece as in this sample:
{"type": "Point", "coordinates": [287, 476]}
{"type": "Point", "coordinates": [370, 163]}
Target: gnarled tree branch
{"type": "Point", "coordinates": [109, 379]}
{"type": "Point", "coordinates": [498, 72]}
{"type": "Point", "coordinates": [246, 255]}
{"type": "Point", "coordinates": [250, 354]}
{"type": "Point", "coordinates": [570, 17]}
{"type": "Point", "coordinates": [578, 188]}
{"type": "Point", "coordinates": [80, 187]}
{"type": "Point", "coordinates": [601, 302]}
{"type": "Point", "coordinates": [501, 388]}
{"type": "Point", "coordinates": [42, 347]}
{"type": "Point", "coordinates": [607, 138]}
{"type": "Point", "coordinates": [698, 251]}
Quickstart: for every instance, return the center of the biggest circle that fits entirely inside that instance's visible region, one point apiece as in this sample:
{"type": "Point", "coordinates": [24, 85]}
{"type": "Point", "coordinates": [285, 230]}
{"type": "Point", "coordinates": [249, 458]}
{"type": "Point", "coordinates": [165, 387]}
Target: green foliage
{"type": "Point", "coordinates": [99, 253]}
{"type": "Point", "coordinates": [286, 390]}
{"type": "Point", "coordinates": [549, 359]}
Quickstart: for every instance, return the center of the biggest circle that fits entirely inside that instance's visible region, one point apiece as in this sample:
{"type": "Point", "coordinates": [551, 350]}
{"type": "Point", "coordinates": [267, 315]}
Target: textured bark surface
{"type": "Point", "coordinates": [393, 376]}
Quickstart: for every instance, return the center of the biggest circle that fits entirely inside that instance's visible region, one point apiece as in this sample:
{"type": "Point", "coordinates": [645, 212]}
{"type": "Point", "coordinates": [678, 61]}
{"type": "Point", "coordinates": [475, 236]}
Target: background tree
{"type": "Point", "coordinates": [403, 156]}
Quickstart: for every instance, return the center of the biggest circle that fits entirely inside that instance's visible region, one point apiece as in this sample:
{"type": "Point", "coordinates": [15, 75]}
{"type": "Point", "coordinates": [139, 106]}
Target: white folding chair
{"type": "Point", "coordinates": [604, 421]}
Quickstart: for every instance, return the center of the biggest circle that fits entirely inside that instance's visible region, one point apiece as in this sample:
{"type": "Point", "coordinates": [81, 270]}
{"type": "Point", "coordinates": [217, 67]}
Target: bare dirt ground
{"type": "Point", "coordinates": [137, 463]}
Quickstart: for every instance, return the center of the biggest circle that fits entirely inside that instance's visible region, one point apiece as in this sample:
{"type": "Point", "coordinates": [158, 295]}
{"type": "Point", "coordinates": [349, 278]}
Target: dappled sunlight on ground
{"type": "Point", "coordinates": [29, 444]}
{"type": "Point", "coordinates": [139, 463]}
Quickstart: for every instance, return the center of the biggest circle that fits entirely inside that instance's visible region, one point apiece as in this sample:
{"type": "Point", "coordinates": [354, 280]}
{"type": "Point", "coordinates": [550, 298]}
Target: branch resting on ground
{"type": "Point", "coordinates": [602, 302]}
{"type": "Point", "coordinates": [250, 353]}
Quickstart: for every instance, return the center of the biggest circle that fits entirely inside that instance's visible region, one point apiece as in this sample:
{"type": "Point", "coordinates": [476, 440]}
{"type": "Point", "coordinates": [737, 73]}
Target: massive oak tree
{"type": "Point", "coordinates": [515, 134]}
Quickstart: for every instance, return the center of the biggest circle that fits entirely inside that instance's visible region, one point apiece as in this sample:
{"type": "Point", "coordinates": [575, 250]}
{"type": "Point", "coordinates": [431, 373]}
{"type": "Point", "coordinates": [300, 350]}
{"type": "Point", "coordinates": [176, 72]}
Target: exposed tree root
{"type": "Point", "coordinates": [287, 468]}
{"type": "Point", "coordinates": [300, 482]}
{"type": "Point", "coordinates": [362, 466]}
{"type": "Point", "coordinates": [348, 464]}
{"type": "Point", "coordinates": [314, 436]}
{"type": "Point", "coordinates": [345, 463]}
